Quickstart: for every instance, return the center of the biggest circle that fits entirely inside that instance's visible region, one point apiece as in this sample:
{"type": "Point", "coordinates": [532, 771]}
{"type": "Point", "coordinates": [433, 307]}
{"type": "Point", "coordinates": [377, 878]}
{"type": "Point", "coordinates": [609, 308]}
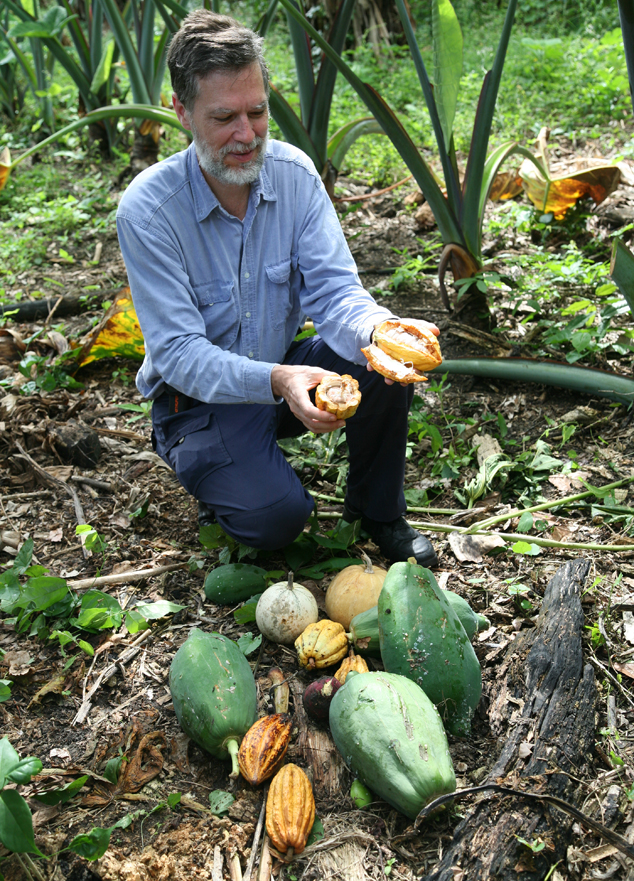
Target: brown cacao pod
{"type": "Point", "coordinates": [352, 662]}
{"type": "Point", "coordinates": [339, 395]}
{"type": "Point", "coordinates": [264, 746]}
{"type": "Point", "coordinates": [290, 809]}
{"type": "Point", "coordinates": [321, 644]}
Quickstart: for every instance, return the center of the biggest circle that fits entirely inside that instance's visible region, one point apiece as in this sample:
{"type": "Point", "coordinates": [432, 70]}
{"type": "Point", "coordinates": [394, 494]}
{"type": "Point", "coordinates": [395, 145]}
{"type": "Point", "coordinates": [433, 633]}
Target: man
{"type": "Point", "coordinates": [229, 246]}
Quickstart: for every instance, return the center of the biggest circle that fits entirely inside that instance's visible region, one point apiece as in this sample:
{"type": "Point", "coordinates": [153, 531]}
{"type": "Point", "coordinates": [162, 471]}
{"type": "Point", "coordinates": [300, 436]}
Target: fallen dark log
{"type": "Point", "coordinates": [544, 701]}
{"type": "Point", "coordinates": [35, 310]}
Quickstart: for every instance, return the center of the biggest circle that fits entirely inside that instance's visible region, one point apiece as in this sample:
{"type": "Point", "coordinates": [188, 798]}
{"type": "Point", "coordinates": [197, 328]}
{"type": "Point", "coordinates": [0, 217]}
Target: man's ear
{"type": "Point", "coordinates": [181, 113]}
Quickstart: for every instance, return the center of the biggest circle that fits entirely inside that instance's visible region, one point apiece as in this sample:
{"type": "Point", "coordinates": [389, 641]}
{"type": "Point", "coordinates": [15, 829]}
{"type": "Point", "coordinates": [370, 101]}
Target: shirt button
{"type": "Point", "coordinates": [246, 274]}
{"type": "Point", "coordinates": [250, 354]}
{"type": "Point", "coordinates": [247, 315]}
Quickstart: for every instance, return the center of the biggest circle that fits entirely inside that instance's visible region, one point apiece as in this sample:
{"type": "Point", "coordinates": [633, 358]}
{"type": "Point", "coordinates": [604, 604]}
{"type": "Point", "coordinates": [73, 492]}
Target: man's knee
{"type": "Point", "coordinates": [272, 527]}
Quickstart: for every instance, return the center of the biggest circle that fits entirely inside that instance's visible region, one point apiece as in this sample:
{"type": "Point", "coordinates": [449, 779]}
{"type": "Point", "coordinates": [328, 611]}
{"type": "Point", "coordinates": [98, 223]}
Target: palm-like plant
{"type": "Point", "coordinates": [458, 207]}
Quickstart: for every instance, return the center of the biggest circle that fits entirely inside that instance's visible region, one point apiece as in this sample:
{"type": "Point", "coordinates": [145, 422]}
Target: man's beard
{"type": "Point", "coordinates": [212, 161]}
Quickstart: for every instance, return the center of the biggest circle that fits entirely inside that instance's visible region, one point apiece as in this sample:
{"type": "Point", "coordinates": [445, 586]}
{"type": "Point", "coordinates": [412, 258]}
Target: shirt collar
{"type": "Point", "coordinates": [204, 198]}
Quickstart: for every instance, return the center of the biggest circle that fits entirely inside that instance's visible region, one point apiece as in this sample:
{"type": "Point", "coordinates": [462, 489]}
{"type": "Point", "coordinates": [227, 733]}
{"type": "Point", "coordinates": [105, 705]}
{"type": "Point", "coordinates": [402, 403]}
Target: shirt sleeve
{"type": "Point", "coordinates": [343, 312]}
{"type": "Point", "coordinates": [173, 329]}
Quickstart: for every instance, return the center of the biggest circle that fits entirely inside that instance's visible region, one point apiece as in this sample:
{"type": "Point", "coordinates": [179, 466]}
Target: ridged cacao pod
{"type": "Point", "coordinates": [321, 644]}
{"type": "Point", "coordinates": [339, 395]}
{"type": "Point", "coordinates": [352, 662]}
{"type": "Point", "coordinates": [290, 809]}
{"type": "Point", "coordinates": [264, 746]}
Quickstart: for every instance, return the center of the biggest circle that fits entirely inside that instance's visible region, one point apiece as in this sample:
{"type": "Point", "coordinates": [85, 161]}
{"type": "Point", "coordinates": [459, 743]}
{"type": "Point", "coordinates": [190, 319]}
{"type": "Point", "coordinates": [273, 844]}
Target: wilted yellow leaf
{"type": "Point", "coordinates": [506, 185]}
{"type": "Point", "coordinates": [566, 187]}
{"type": "Point", "coordinates": [5, 167]}
{"type": "Point", "coordinates": [118, 333]}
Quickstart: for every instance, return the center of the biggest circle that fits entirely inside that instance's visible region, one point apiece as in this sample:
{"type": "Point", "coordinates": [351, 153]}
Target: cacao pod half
{"type": "Point", "coordinates": [339, 395]}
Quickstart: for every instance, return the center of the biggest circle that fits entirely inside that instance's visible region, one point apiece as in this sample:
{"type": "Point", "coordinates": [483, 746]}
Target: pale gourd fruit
{"type": "Point", "coordinates": [285, 610]}
{"type": "Point", "coordinates": [355, 589]}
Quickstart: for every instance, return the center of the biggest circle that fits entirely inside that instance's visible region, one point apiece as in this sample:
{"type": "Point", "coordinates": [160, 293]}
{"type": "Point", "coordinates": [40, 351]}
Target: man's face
{"type": "Point", "coordinates": [229, 124]}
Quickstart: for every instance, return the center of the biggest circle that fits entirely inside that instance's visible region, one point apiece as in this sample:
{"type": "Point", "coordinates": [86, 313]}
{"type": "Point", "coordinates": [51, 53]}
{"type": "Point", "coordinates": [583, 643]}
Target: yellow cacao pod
{"type": "Point", "coordinates": [352, 662]}
{"type": "Point", "coordinates": [321, 644]}
{"type": "Point", "coordinates": [403, 349]}
{"type": "Point", "coordinates": [264, 746]}
{"type": "Point", "coordinates": [290, 809]}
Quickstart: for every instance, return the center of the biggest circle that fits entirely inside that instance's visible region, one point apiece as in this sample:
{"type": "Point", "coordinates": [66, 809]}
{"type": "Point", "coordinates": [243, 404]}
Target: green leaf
{"type": "Point", "coordinates": [23, 557]}
{"type": "Point", "coordinates": [220, 802]}
{"type": "Point", "coordinates": [104, 67]}
{"type": "Point", "coordinates": [173, 799]}
{"type": "Point", "coordinates": [246, 613]}
{"type": "Point", "coordinates": [524, 547]}
{"type": "Point", "coordinates": [135, 622]}
{"type": "Point", "coordinates": [86, 646]}
{"type": "Point", "coordinates": [16, 824]}
{"type": "Point", "coordinates": [113, 766]}
{"type": "Point", "coordinates": [525, 523]}
{"type": "Point", "coordinates": [42, 592]}
{"type": "Point", "coordinates": [317, 832]}
{"type": "Point", "coordinates": [5, 689]}
{"type": "Point", "coordinates": [92, 845]}
{"type": "Point", "coordinates": [248, 643]}
{"type": "Point", "coordinates": [9, 759]}
{"type": "Point", "coordinates": [159, 609]}
{"type": "Point", "coordinates": [300, 552]}
{"type": "Point", "coordinates": [212, 537]}
{"type": "Point", "coordinates": [61, 796]}
{"type": "Point", "coordinates": [24, 770]}
{"type": "Point", "coordinates": [9, 591]}
{"type": "Point", "coordinates": [319, 569]}
{"type": "Point", "coordinates": [447, 48]}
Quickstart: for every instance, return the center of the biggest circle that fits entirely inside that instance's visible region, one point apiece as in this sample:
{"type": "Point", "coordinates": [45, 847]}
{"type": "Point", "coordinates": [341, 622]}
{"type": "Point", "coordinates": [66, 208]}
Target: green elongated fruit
{"type": "Point", "coordinates": [234, 582]}
{"type": "Point", "coordinates": [422, 638]}
{"type": "Point", "coordinates": [391, 736]}
{"type": "Point", "coordinates": [364, 627]}
{"type": "Point", "coordinates": [214, 694]}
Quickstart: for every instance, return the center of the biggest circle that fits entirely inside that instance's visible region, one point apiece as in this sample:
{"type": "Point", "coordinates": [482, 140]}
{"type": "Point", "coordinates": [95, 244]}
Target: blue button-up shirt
{"type": "Point", "coordinates": [219, 299]}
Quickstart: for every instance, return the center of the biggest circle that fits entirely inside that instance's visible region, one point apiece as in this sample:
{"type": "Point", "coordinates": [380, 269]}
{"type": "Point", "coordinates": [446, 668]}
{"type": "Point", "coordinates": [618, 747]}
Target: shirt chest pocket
{"type": "Point", "coordinates": [279, 294]}
{"type": "Point", "coordinates": [219, 309]}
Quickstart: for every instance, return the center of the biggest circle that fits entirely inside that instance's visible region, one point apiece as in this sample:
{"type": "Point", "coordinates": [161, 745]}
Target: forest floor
{"type": "Point", "coordinates": [75, 712]}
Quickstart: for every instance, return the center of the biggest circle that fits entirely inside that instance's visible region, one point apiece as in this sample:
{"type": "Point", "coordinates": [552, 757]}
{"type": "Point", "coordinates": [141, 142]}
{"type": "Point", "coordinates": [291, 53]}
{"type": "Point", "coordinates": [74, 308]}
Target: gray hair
{"type": "Point", "coordinates": [208, 42]}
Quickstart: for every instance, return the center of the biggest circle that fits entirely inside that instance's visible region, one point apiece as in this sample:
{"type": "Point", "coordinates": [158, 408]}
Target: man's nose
{"type": "Point", "coordinates": [243, 132]}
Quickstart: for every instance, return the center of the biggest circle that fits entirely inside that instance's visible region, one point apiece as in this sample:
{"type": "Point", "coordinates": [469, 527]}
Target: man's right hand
{"type": "Point", "coordinates": [293, 383]}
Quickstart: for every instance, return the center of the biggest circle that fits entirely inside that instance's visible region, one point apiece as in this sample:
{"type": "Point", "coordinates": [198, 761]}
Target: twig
{"type": "Point", "coordinates": [235, 869]}
{"type": "Point", "coordinates": [90, 481]}
{"type": "Point", "coordinates": [126, 656]}
{"type": "Point", "coordinates": [597, 663]}
{"type": "Point", "coordinates": [266, 861]}
{"type": "Point", "coordinates": [121, 432]}
{"type": "Point", "coordinates": [613, 837]}
{"type": "Point", "coordinates": [216, 872]}
{"type": "Point", "coordinates": [124, 577]}
{"type": "Point", "coordinates": [53, 481]}
{"type": "Point", "coordinates": [33, 495]}
{"type": "Point", "coordinates": [256, 841]}
{"type": "Point", "coordinates": [366, 196]}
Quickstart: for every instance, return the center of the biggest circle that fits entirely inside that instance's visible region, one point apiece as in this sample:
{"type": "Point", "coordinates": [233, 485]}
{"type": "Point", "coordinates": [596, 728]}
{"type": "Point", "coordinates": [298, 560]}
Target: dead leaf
{"type": "Point", "coordinates": [146, 764]}
{"type": "Point", "coordinates": [118, 333]}
{"type": "Point", "coordinates": [5, 167]}
{"type": "Point", "coordinates": [62, 755]}
{"type": "Point", "coordinates": [470, 548]}
{"type": "Point", "coordinates": [18, 661]}
{"type": "Point", "coordinates": [625, 669]}
{"type": "Point", "coordinates": [628, 626]}
{"type": "Point", "coordinates": [524, 750]}
{"type": "Point", "coordinates": [506, 185]}
{"type": "Point", "coordinates": [61, 472]}
{"type": "Point", "coordinates": [600, 853]}
{"type": "Point", "coordinates": [563, 190]}
{"type": "Point", "coordinates": [53, 686]}
{"type": "Point", "coordinates": [486, 446]}
{"type": "Point", "coordinates": [56, 534]}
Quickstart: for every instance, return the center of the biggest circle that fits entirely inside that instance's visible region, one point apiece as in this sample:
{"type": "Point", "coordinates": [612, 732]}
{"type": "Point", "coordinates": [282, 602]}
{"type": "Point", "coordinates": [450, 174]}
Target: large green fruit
{"type": "Point", "coordinates": [364, 627]}
{"type": "Point", "coordinates": [391, 737]}
{"type": "Point", "coordinates": [422, 638]}
{"type": "Point", "coordinates": [234, 582]}
{"type": "Point", "coordinates": [214, 693]}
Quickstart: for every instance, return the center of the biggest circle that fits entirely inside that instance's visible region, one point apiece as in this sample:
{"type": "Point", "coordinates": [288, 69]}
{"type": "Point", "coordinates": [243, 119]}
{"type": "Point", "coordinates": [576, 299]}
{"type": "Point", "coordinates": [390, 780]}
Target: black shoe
{"type": "Point", "coordinates": [206, 516]}
{"type": "Point", "coordinates": [397, 540]}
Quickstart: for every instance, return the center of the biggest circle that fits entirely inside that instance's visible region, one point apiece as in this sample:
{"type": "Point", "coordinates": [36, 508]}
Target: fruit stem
{"type": "Point", "coordinates": [290, 581]}
{"type": "Point", "coordinates": [232, 748]}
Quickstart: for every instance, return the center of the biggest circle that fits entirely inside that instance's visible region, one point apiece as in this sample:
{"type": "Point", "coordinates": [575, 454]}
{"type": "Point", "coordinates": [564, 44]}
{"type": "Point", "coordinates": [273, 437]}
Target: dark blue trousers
{"type": "Point", "coordinates": [226, 455]}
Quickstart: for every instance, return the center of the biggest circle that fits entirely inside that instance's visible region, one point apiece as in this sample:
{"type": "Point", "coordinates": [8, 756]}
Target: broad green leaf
{"type": "Point", "coordinates": [525, 523]}
{"type": "Point", "coordinates": [220, 802]}
{"type": "Point", "coordinates": [25, 769]}
{"type": "Point", "coordinates": [317, 832]}
{"type": "Point", "coordinates": [23, 557]}
{"type": "Point", "coordinates": [525, 547]}
{"type": "Point", "coordinates": [92, 845]}
{"type": "Point", "coordinates": [447, 48]}
{"type": "Point", "coordinates": [16, 824]}
{"type": "Point", "coordinates": [42, 592]}
{"type": "Point", "coordinates": [113, 766]}
{"type": "Point", "coordinates": [135, 622]}
{"type": "Point", "coordinates": [246, 613]}
{"type": "Point", "coordinates": [159, 609]}
{"type": "Point", "coordinates": [319, 569]}
{"type": "Point", "coordinates": [61, 796]}
{"type": "Point", "coordinates": [9, 591]}
{"type": "Point", "coordinates": [98, 619]}
{"type": "Point", "coordinates": [248, 643]}
{"type": "Point", "coordinates": [299, 552]}
{"type": "Point", "coordinates": [173, 799]}
{"type": "Point", "coordinates": [9, 759]}
{"type": "Point", "coordinates": [105, 66]}
{"type": "Point", "coordinates": [48, 26]}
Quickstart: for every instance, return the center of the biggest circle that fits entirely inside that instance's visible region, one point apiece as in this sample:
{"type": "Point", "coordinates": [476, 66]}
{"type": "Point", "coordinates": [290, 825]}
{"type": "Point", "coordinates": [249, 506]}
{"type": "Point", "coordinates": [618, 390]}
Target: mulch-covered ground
{"type": "Point", "coordinates": [77, 716]}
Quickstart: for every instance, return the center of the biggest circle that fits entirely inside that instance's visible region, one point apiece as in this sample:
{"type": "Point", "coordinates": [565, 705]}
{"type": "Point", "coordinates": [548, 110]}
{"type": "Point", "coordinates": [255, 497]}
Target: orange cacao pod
{"type": "Point", "coordinates": [264, 746]}
{"type": "Point", "coordinates": [339, 395]}
{"type": "Point", "coordinates": [290, 809]}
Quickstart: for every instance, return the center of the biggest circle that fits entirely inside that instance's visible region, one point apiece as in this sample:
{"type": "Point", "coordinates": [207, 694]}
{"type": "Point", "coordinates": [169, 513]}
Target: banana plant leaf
{"type": "Point", "coordinates": [117, 334]}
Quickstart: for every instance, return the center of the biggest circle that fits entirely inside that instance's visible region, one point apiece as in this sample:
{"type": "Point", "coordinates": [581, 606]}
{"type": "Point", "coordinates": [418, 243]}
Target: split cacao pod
{"type": "Point", "coordinates": [264, 746]}
{"type": "Point", "coordinates": [403, 349]}
{"type": "Point", "coordinates": [339, 395]}
{"type": "Point", "coordinates": [290, 809]}
{"type": "Point", "coordinates": [321, 644]}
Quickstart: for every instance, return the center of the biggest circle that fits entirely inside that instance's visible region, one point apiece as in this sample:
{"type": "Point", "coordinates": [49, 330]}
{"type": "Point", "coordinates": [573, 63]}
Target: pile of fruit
{"type": "Point", "coordinates": [388, 726]}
